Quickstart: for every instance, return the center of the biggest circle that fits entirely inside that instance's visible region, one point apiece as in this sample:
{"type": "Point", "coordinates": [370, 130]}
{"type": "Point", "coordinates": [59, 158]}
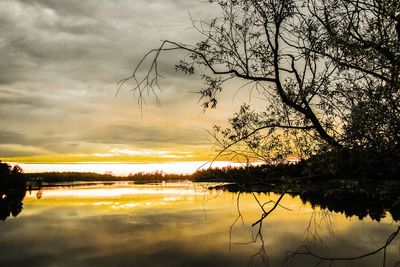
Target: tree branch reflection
{"type": "Point", "coordinates": [305, 250]}
{"type": "Point", "coordinates": [325, 205]}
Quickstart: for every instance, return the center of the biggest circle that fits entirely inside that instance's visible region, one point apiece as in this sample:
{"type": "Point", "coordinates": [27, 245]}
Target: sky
{"type": "Point", "coordinates": [61, 61]}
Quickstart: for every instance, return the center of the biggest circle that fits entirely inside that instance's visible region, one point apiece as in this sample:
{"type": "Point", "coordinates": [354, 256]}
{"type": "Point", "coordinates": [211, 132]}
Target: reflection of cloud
{"type": "Point", "coordinates": [124, 206]}
{"type": "Point", "coordinates": [178, 234]}
{"type": "Point", "coordinates": [118, 192]}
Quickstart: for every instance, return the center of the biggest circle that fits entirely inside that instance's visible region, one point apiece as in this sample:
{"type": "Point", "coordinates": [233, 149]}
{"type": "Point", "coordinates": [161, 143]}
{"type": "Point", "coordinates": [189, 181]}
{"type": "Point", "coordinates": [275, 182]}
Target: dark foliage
{"type": "Point", "coordinates": [12, 190]}
{"type": "Point", "coordinates": [328, 71]}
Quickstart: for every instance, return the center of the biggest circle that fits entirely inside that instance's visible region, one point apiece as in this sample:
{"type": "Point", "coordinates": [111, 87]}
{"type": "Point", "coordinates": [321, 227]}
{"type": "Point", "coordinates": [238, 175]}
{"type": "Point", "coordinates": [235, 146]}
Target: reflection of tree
{"type": "Point", "coordinates": [262, 252]}
{"type": "Point", "coordinates": [12, 190]}
{"type": "Point", "coordinates": [258, 236]}
{"type": "Point", "coordinates": [11, 202]}
{"type": "Point", "coordinates": [358, 200]}
{"type": "Point", "coordinates": [319, 221]}
{"type": "Point", "coordinates": [304, 250]}
{"type": "Point", "coordinates": [265, 212]}
{"type": "Point", "coordinates": [361, 203]}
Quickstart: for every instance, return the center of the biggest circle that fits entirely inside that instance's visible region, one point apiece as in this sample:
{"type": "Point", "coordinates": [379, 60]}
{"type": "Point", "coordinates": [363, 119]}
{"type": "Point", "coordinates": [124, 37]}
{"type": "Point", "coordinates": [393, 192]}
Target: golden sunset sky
{"type": "Point", "coordinates": [61, 61]}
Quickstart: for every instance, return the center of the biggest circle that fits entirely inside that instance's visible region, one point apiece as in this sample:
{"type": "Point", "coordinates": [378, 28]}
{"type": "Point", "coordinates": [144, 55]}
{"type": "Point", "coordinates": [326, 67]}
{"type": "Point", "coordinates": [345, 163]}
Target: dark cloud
{"type": "Point", "coordinates": [9, 152]}
{"type": "Point", "coordinates": [85, 34]}
{"type": "Point", "coordinates": [14, 144]}
{"type": "Point", "coordinates": [9, 137]}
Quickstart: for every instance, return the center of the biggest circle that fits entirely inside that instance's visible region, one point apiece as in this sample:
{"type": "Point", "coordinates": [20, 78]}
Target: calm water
{"type": "Point", "coordinates": [183, 224]}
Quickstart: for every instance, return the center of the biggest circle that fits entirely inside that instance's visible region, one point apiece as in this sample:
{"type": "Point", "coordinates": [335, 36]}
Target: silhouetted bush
{"type": "Point", "coordinates": [11, 177]}
{"type": "Point", "coordinates": [12, 190]}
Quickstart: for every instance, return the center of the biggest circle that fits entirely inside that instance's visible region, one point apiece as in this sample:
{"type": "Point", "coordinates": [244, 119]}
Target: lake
{"type": "Point", "coordinates": [185, 224]}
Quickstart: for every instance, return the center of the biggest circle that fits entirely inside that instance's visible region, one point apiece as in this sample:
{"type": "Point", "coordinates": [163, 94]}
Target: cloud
{"type": "Point", "coordinates": [61, 61]}
{"type": "Point", "coordinates": [144, 135]}
{"type": "Point", "coordinates": [146, 153]}
{"type": "Point", "coordinates": [18, 150]}
{"type": "Point", "coordinates": [9, 137]}
{"type": "Point", "coordinates": [68, 39]}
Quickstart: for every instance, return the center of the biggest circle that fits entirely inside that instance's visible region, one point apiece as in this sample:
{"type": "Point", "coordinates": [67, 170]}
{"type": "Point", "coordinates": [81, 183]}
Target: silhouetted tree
{"type": "Point", "coordinates": [328, 70]}
{"type": "Point", "coordinates": [12, 190]}
{"type": "Point", "coordinates": [11, 177]}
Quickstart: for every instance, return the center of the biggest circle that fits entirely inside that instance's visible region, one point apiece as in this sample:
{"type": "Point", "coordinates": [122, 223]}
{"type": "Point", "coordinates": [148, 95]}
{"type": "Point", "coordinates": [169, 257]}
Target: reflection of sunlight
{"type": "Point", "coordinates": [117, 205]}
{"type": "Point", "coordinates": [171, 198]}
{"type": "Point", "coordinates": [120, 198]}
{"type": "Point", "coordinates": [103, 203]}
{"type": "Point", "coordinates": [173, 192]}
{"type": "Point", "coordinates": [136, 219]}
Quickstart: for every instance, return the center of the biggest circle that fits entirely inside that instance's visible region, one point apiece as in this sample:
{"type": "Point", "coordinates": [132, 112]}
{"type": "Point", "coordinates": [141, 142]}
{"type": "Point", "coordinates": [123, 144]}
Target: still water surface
{"type": "Point", "coordinates": [184, 224]}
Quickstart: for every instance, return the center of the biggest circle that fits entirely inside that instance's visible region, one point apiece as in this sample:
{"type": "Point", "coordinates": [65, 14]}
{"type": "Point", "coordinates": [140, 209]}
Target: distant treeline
{"type": "Point", "coordinates": [244, 174]}
{"type": "Point", "coordinates": [248, 174]}
{"type": "Point", "coordinates": [57, 177]}
{"type": "Point", "coordinates": [310, 170]}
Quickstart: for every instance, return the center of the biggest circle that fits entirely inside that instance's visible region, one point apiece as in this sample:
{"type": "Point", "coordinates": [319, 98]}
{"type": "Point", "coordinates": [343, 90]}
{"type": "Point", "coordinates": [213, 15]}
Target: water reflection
{"type": "Point", "coordinates": [375, 203]}
{"type": "Point", "coordinates": [312, 233]}
{"type": "Point", "coordinates": [186, 225]}
{"type": "Point", "coordinates": [355, 204]}
{"type": "Point", "coordinates": [304, 250]}
{"type": "Point", "coordinates": [360, 201]}
{"type": "Point", "coordinates": [11, 202]}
